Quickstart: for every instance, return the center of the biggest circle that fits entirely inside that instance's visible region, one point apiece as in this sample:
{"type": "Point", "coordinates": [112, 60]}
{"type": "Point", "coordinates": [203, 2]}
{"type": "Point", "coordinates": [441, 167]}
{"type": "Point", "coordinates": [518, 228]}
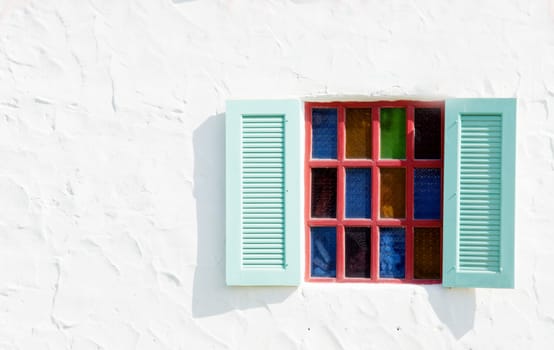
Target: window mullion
{"type": "Point", "coordinates": [340, 193]}
{"type": "Point", "coordinates": [410, 140]}
{"type": "Point", "coordinates": [374, 267]}
{"type": "Point", "coordinates": [307, 189]}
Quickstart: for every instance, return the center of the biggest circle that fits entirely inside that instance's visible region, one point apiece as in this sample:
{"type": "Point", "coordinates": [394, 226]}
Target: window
{"type": "Point", "coordinates": [391, 234]}
{"type": "Point", "coordinates": [374, 191]}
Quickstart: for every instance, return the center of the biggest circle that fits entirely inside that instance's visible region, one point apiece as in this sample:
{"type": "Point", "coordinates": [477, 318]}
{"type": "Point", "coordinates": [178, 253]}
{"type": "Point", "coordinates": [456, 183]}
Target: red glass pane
{"type": "Point", "coordinates": [427, 133]}
{"type": "Point", "coordinates": [324, 193]}
{"type": "Point", "coordinates": [357, 251]}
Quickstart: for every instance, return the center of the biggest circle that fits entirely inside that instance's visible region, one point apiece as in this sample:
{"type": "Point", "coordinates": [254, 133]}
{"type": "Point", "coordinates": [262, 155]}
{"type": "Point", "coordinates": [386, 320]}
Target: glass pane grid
{"type": "Point", "coordinates": [401, 172]}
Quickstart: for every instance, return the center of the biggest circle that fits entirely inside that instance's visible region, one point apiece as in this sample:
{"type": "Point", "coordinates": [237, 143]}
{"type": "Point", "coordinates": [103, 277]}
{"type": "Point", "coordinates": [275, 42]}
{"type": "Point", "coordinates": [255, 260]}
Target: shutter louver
{"type": "Point", "coordinates": [263, 182]}
{"type": "Point", "coordinates": [480, 159]}
{"type": "Point", "coordinates": [263, 194]}
{"type": "Point", "coordinates": [479, 193]}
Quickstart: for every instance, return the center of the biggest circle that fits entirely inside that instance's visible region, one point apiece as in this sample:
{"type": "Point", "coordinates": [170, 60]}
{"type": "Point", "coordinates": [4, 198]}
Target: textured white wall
{"type": "Point", "coordinates": [112, 177]}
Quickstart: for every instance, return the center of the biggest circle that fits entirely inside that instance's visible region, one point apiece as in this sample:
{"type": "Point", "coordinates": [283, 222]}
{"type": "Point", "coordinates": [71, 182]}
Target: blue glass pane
{"type": "Point", "coordinates": [324, 133]}
{"type": "Point", "coordinates": [323, 252]}
{"type": "Point", "coordinates": [358, 193]}
{"type": "Point", "coordinates": [392, 251]}
{"type": "Point", "coordinates": [427, 193]}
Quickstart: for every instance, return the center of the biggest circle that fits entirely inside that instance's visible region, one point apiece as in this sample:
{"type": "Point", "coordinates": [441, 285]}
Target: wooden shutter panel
{"type": "Point", "coordinates": [479, 184]}
{"type": "Point", "coordinates": [263, 194]}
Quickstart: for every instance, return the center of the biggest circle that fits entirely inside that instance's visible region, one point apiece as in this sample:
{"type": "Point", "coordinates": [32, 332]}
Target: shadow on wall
{"type": "Point", "coordinates": [210, 294]}
{"type": "Point", "coordinates": [455, 307]}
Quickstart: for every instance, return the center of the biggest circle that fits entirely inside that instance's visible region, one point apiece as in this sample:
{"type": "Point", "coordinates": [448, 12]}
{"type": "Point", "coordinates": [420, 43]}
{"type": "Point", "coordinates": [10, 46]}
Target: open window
{"type": "Point", "coordinates": [391, 190]}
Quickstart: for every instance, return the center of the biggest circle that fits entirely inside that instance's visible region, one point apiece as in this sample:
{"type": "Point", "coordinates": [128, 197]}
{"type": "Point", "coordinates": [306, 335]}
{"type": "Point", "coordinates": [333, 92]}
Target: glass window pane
{"type": "Point", "coordinates": [393, 193]}
{"type": "Point", "coordinates": [324, 193]}
{"type": "Point", "coordinates": [427, 133]}
{"type": "Point", "coordinates": [427, 253]}
{"type": "Point", "coordinates": [427, 193]}
{"type": "Point", "coordinates": [357, 250]}
{"type": "Point", "coordinates": [323, 251]}
{"type": "Point", "coordinates": [358, 193]}
{"type": "Point", "coordinates": [358, 133]}
{"type": "Point", "coordinates": [393, 133]}
{"type": "Point", "coordinates": [324, 133]}
{"type": "Point", "coordinates": [392, 249]}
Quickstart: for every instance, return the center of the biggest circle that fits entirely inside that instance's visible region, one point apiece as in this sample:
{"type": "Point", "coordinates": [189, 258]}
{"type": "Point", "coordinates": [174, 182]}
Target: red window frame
{"type": "Point", "coordinates": [374, 163]}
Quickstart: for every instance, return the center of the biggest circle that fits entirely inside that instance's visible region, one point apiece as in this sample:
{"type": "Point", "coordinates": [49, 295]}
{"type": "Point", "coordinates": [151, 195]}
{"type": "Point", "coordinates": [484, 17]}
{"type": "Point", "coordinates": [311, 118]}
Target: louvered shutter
{"type": "Point", "coordinates": [479, 184]}
{"type": "Point", "coordinates": [263, 193]}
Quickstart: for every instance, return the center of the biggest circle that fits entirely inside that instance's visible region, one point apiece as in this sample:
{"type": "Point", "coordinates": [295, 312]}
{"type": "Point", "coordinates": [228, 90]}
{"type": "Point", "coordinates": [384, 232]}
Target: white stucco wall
{"type": "Point", "coordinates": [112, 167]}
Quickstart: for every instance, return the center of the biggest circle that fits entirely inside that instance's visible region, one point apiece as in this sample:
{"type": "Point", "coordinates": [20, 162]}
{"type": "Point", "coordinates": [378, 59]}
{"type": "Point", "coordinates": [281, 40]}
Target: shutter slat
{"type": "Point", "coordinates": [262, 241]}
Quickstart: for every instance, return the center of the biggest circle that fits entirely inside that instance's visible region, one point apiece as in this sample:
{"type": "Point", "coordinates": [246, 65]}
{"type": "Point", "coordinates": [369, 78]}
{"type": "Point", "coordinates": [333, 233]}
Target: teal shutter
{"type": "Point", "coordinates": [479, 184]}
{"type": "Point", "coordinates": [263, 193]}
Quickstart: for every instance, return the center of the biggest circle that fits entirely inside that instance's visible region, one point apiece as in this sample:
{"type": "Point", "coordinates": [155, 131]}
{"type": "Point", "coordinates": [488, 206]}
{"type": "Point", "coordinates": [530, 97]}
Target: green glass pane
{"type": "Point", "coordinates": [393, 133]}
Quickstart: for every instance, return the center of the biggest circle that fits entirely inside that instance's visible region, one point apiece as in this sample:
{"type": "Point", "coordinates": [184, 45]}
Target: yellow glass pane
{"type": "Point", "coordinates": [358, 133]}
{"type": "Point", "coordinates": [427, 253]}
{"type": "Point", "coordinates": [393, 193]}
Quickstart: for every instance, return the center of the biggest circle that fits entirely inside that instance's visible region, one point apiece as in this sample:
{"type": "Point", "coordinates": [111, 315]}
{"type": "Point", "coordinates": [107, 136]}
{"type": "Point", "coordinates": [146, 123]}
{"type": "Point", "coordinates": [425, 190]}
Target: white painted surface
{"type": "Point", "coordinates": [112, 168]}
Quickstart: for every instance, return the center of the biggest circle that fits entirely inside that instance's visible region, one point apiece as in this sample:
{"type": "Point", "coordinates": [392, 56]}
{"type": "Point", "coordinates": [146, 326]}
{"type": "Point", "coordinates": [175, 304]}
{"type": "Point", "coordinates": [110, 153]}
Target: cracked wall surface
{"type": "Point", "coordinates": [112, 167]}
